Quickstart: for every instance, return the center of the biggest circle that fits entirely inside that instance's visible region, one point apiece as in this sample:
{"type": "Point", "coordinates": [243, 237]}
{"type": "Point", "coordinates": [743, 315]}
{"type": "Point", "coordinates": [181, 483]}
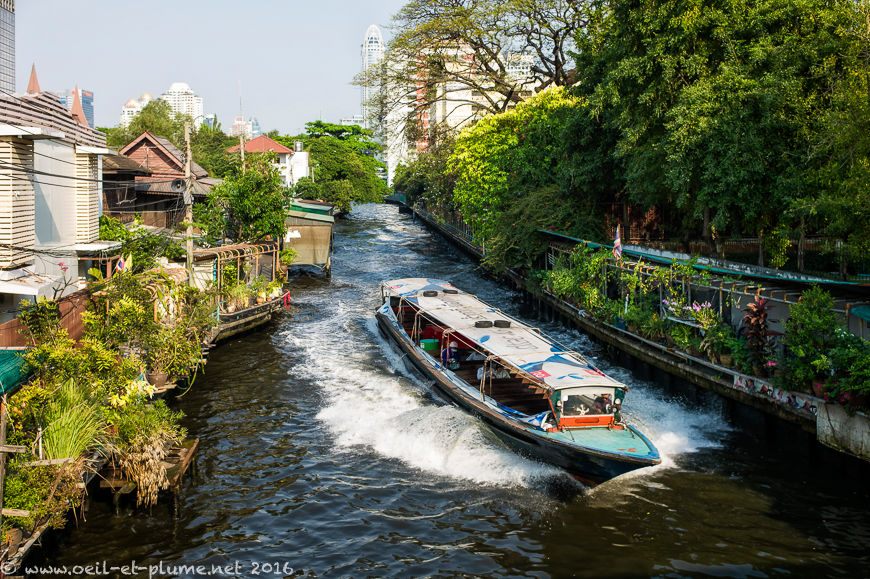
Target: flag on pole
{"type": "Point", "coordinates": [120, 265]}
{"type": "Point", "coordinates": [617, 245]}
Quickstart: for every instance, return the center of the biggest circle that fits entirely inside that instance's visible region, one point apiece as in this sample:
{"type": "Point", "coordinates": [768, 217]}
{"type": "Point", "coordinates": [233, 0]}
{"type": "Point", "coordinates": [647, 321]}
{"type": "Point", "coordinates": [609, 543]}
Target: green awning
{"type": "Point", "coordinates": [12, 372]}
{"type": "Point", "coordinates": [317, 208]}
{"type": "Point", "coordinates": [311, 216]}
{"type": "Point", "coordinates": [862, 312]}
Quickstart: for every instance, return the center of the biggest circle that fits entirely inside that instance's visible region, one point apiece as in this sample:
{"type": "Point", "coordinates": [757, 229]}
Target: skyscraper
{"type": "Point", "coordinates": [372, 51]}
{"type": "Point", "coordinates": [7, 45]}
{"type": "Point", "coordinates": [87, 100]}
{"type": "Point", "coordinates": [184, 102]}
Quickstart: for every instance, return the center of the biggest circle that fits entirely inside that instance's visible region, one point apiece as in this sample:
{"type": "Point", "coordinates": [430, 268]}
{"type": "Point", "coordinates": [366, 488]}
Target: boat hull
{"type": "Point", "coordinates": [586, 465]}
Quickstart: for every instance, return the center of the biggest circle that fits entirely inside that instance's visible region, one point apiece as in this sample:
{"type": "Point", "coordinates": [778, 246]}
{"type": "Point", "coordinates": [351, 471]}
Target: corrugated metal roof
{"type": "Point", "coordinates": [306, 216]}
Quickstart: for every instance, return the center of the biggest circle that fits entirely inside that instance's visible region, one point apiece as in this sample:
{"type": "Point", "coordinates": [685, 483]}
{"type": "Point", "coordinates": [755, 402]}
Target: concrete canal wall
{"type": "Point", "coordinates": [830, 424]}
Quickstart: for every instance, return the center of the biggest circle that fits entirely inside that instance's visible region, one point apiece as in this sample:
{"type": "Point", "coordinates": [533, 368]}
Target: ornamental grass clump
{"type": "Point", "coordinates": [73, 423]}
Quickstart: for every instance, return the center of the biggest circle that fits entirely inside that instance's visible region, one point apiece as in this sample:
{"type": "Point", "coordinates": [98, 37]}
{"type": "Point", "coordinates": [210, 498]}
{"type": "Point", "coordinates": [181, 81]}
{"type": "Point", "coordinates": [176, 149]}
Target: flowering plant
{"type": "Point", "coordinates": [136, 391]}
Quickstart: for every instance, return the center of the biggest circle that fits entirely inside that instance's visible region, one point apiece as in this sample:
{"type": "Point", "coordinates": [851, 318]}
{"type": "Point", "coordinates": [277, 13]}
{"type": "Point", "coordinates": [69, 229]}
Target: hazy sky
{"type": "Point", "coordinates": [295, 58]}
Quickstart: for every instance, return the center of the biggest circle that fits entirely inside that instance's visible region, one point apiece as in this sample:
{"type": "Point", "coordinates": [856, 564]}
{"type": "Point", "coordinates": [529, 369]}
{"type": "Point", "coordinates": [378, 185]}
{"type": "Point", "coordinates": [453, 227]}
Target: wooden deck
{"type": "Point", "coordinates": [176, 463]}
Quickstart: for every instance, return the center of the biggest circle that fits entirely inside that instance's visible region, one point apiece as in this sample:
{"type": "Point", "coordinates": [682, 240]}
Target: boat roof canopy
{"type": "Point", "coordinates": [517, 345]}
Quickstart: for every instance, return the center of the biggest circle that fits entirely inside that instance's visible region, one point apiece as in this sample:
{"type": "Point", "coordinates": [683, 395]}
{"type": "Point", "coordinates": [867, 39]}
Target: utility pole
{"type": "Point", "coordinates": [242, 148]}
{"type": "Point", "coordinates": [188, 203]}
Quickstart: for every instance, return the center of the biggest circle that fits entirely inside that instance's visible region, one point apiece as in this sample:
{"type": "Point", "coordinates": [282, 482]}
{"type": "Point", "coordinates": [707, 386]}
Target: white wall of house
{"type": "Point", "coordinates": [55, 197]}
{"type": "Point", "coordinates": [298, 166]}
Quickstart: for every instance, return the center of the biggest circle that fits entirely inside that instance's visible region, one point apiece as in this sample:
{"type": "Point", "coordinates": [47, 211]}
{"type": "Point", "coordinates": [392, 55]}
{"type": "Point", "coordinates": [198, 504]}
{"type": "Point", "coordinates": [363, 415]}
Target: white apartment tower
{"type": "Point", "coordinates": [371, 53]}
{"type": "Point", "coordinates": [132, 108]}
{"type": "Point", "coordinates": [184, 102]}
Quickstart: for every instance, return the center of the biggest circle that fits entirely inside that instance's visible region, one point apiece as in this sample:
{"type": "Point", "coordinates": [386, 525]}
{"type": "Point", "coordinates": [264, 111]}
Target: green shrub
{"type": "Point", "coordinates": [809, 337]}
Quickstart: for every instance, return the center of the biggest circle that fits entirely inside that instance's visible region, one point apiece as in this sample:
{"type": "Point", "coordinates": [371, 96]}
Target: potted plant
{"type": "Point", "coordinates": [159, 357]}
{"type": "Point", "coordinates": [258, 288]}
{"type": "Point", "coordinates": [274, 289]}
{"type": "Point", "coordinates": [286, 257]}
{"type": "Point", "coordinates": [237, 297]}
{"type": "Point", "coordinates": [174, 350]}
{"type": "Point", "coordinates": [809, 338]}
{"type": "Point", "coordinates": [758, 336]}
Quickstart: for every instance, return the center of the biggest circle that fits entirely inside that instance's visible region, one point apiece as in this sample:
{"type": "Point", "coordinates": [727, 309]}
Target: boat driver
{"type": "Point", "coordinates": [601, 405]}
{"type": "Point", "coordinates": [450, 356]}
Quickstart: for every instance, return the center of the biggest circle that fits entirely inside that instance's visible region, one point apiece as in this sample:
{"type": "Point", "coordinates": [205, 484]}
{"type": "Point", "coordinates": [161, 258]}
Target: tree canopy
{"type": "Point", "coordinates": [247, 206]}
{"type": "Point", "coordinates": [467, 52]}
{"type": "Point", "coordinates": [344, 163]}
{"type": "Point", "coordinates": [730, 118]}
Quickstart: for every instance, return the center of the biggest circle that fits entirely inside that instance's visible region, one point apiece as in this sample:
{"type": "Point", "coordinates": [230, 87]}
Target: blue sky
{"type": "Point", "coordinates": [295, 58]}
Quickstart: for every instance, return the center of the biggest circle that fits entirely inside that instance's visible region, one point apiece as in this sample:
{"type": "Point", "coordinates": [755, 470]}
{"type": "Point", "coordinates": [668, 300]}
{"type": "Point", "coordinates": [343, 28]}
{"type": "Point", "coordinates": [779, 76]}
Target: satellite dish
{"type": "Point", "coordinates": [177, 185]}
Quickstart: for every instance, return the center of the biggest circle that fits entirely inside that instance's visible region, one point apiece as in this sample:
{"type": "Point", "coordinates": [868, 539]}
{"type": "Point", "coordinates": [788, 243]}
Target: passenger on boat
{"type": "Point", "coordinates": [493, 372]}
{"type": "Point", "coordinates": [601, 405]}
{"type": "Point", "coordinates": [450, 356]}
{"type": "Point", "coordinates": [475, 356]}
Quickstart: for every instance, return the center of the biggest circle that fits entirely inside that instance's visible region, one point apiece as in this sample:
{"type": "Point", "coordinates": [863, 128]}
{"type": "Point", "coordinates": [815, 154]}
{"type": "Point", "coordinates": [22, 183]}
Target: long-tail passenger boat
{"type": "Point", "coordinates": [548, 402]}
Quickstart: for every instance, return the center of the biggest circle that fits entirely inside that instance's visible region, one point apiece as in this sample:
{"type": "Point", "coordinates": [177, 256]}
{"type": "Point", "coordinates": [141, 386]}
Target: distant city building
{"type": "Point", "coordinates": [7, 45]}
{"type": "Point", "coordinates": [241, 127]}
{"type": "Point", "coordinates": [132, 107]}
{"type": "Point", "coordinates": [250, 128]}
{"type": "Point", "coordinates": [210, 120]}
{"type": "Point", "coordinates": [87, 99]}
{"type": "Point", "coordinates": [184, 102]}
{"type": "Point", "coordinates": [371, 53]}
{"type": "Point", "coordinates": [354, 120]}
{"type": "Point", "coordinates": [519, 66]}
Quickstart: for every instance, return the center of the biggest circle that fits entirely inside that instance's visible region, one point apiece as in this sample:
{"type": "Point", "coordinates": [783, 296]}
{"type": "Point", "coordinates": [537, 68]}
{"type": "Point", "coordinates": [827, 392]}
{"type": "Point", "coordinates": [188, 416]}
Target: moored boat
{"type": "Point", "coordinates": [548, 402]}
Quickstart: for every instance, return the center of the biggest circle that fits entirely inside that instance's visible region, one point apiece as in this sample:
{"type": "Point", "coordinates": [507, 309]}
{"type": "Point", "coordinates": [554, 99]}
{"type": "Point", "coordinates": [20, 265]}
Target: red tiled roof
{"type": "Point", "coordinates": [262, 144]}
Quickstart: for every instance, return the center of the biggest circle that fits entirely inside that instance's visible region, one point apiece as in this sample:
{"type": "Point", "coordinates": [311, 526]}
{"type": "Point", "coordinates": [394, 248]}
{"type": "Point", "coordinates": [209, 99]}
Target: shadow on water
{"type": "Point", "coordinates": [318, 453]}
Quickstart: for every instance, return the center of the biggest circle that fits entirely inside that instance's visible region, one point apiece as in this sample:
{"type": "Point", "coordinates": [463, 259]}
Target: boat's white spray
{"type": "Point", "coordinates": [371, 402]}
{"type": "Point", "coordinates": [369, 406]}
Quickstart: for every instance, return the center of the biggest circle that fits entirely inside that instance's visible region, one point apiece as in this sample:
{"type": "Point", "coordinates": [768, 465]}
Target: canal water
{"type": "Point", "coordinates": [320, 455]}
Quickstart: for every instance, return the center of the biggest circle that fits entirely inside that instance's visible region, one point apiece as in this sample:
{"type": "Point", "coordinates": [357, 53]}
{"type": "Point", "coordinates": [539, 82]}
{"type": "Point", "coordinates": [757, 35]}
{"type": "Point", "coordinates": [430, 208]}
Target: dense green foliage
{"type": "Point", "coordinates": [345, 169]}
{"type": "Point", "coordinates": [89, 396]}
{"type": "Point", "coordinates": [727, 119]}
{"type": "Point", "coordinates": [140, 247]}
{"type": "Point", "coordinates": [158, 118]}
{"type": "Point", "coordinates": [248, 205]}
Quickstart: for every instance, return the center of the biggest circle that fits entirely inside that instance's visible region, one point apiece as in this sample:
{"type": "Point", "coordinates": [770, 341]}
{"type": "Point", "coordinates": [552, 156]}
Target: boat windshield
{"type": "Point", "coordinates": [585, 401]}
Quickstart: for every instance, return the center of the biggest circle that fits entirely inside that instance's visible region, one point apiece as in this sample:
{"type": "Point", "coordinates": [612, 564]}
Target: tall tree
{"type": "Point", "coordinates": [247, 205]}
{"type": "Point", "coordinates": [453, 53]}
{"type": "Point", "coordinates": [713, 103]}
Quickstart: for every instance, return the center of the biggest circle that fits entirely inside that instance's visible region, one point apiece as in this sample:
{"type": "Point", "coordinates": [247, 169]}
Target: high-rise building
{"type": "Point", "coordinates": [87, 99]}
{"type": "Point", "coordinates": [184, 102]}
{"type": "Point", "coordinates": [243, 127]}
{"type": "Point", "coordinates": [354, 120]}
{"type": "Point", "coordinates": [371, 53]}
{"type": "Point", "coordinates": [132, 107]}
{"type": "Point", "coordinates": [7, 45]}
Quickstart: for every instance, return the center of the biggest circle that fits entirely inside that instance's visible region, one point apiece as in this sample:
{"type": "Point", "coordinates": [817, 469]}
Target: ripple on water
{"type": "Point", "coordinates": [319, 451]}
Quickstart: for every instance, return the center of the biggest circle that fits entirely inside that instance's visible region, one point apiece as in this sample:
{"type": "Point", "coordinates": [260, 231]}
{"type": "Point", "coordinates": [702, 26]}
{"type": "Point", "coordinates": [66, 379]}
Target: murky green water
{"type": "Point", "coordinates": [317, 455]}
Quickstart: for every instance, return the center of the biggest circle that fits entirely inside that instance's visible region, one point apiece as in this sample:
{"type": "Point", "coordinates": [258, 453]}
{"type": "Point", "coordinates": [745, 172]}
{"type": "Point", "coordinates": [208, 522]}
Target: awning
{"type": "Point", "coordinates": [307, 206]}
{"type": "Point", "coordinates": [12, 372]}
{"type": "Point", "coordinates": [302, 215]}
{"type": "Point", "coordinates": [862, 312]}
